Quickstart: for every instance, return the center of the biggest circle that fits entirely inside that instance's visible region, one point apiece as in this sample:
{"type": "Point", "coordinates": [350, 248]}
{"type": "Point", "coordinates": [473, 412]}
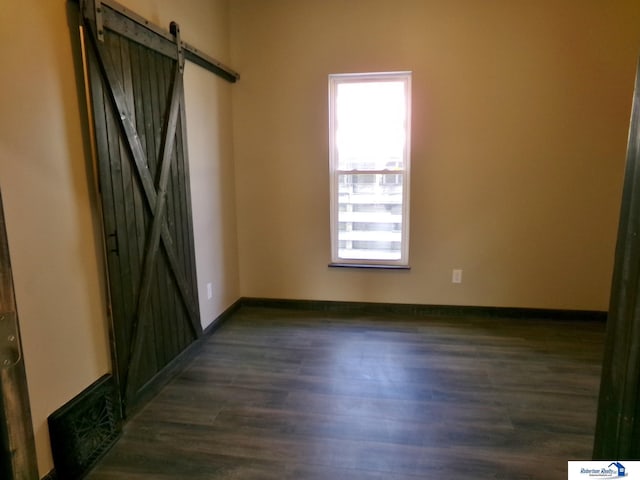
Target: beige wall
{"type": "Point", "coordinates": [520, 120]}
{"type": "Point", "coordinates": [208, 100]}
{"type": "Point", "coordinates": [54, 234]}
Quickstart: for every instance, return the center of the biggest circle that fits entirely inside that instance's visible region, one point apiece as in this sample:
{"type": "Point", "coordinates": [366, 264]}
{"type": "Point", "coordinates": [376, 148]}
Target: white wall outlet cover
{"type": "Point", "coordinates": [456, 276]}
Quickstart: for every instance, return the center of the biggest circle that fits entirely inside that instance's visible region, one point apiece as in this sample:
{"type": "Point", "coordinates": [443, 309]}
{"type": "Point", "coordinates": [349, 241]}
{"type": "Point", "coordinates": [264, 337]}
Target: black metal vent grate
{"type": "Point", "coordinates": [84, 429]}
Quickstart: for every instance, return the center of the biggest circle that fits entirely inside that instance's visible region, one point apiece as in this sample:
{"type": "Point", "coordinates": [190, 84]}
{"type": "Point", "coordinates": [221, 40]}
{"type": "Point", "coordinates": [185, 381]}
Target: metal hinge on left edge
{"type": "Point", "coordinates": [9, 340]}
{"type": "Point", "coordinates": [97, 5]}
{"type": "Point", "coordinates": [92, 11]}
{"type": "Point", "coordinates": [174, 28]}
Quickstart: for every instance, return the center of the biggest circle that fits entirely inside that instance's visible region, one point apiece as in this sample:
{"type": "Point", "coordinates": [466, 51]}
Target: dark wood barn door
{"type": "Point", "coordinates": [137, 103]}
{"type": "Point", "coordinates": [617, 433]}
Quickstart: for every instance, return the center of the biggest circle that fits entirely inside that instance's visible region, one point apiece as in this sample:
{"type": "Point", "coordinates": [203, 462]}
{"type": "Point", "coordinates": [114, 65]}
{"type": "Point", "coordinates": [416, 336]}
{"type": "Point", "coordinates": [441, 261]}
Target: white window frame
{"type": "Point", "coordinates": [335, 172]}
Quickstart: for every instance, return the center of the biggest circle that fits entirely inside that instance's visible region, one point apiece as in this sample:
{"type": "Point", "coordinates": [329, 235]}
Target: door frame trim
{"type": "Point", "coordinates": [17, 441]}
{"type": "Point", "coordinates": [618, 419]}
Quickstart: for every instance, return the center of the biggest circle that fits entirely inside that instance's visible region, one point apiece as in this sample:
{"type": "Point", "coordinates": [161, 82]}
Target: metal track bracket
{"type": "Point", "coordinates": [9, 341]}
{"type": "Point", "coordinates": [97, 5]}
{"type": "Point", "coordinates": [174, 28]}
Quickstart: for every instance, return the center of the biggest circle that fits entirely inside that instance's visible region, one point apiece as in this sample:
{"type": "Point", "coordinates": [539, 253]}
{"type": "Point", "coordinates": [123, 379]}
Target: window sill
{"type": "Point", "coordinates": [369, 265]}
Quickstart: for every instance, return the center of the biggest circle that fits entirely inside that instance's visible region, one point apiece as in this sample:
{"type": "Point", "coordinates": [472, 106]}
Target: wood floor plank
{"type": "Point", "coordinates": [301, 395]}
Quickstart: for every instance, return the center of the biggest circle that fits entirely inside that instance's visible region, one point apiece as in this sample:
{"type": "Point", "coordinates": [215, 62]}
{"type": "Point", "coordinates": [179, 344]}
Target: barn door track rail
{"type": "Point", "coordinates": [107, 14]}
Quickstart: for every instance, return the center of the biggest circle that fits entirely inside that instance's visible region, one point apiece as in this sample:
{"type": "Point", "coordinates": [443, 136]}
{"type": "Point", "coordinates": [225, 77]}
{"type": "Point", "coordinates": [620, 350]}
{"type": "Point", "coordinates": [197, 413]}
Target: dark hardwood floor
{"type": "Point", "coordinates": [282, 394]}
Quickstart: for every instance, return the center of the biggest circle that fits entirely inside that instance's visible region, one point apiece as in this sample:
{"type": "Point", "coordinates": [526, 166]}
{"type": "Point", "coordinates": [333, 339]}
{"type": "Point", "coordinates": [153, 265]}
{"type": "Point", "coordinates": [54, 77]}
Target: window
{"type": "Point", "coordinates": [369, 140]}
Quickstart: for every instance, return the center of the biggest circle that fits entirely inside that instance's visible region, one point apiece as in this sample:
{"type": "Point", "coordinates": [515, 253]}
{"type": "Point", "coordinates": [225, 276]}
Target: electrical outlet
{"type": "Point", "coordinates": [209, 291]}
{"type": "Point", "coordinates": [456, 276]}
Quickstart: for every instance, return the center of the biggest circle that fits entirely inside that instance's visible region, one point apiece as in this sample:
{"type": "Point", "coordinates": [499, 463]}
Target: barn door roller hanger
{"type": "Point", "coordinates": [107, 14]}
